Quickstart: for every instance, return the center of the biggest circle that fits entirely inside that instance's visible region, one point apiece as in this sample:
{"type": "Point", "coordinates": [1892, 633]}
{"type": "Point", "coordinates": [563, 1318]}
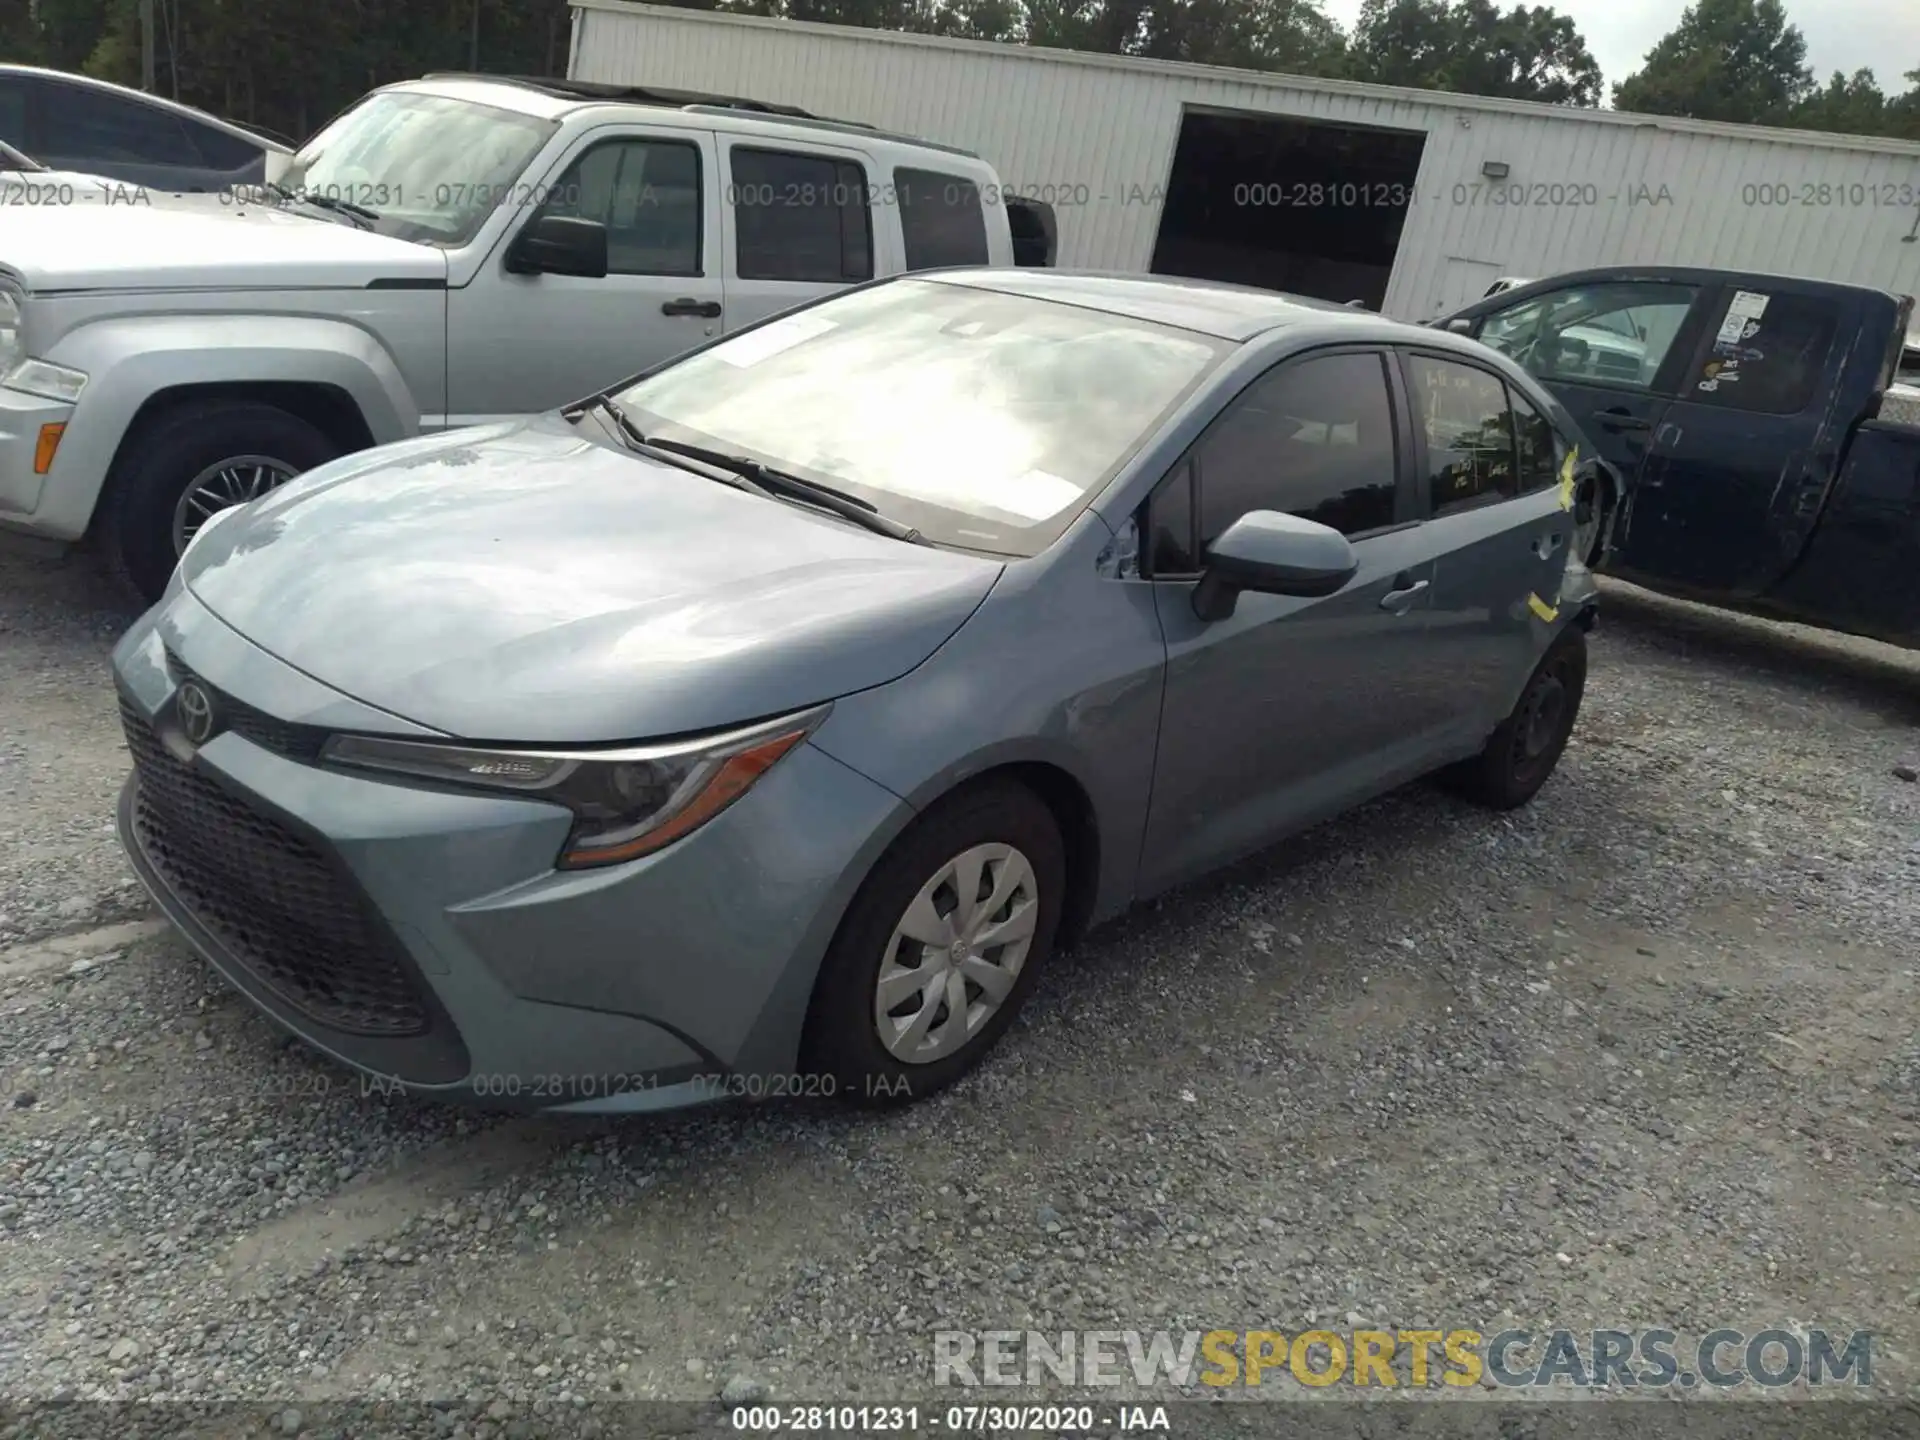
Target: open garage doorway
{"type": "Point", "coordinates": [1287, 204]}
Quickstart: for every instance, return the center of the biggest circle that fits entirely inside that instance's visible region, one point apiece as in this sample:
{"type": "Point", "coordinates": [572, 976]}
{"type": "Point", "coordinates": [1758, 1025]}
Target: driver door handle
{"type": "Point", "coordinates": [1401, 600]}
{"type": "Point", "coordinates": [1619, 420]}
{"type": "Point", "coordinates": [687, 305]}
{"type": "Point", "coordinates": [1545, 545]}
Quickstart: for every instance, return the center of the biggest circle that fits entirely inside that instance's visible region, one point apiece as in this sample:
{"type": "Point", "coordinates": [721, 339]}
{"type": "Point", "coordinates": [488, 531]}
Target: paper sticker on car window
{"type": "Point", "coordinates": [1746, 306]}
{"type": "Point", "coordinates": [770, 340]}
{"type": "Point", "coordinates": [1035, 495]}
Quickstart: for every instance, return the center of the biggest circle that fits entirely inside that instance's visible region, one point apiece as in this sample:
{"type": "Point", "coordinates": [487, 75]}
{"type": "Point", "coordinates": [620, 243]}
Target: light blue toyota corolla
{"type": "Point", "coordinates": [763, 726]}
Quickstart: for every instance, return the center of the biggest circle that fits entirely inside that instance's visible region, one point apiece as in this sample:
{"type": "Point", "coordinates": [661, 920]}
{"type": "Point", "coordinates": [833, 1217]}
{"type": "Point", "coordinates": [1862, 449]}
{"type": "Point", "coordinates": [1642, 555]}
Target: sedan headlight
{"type": "Point", "coordinates": [626, 803]}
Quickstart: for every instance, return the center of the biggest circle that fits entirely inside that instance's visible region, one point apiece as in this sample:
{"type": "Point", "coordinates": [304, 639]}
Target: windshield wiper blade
{"type": "Point", "coordinates": [636, 440]}
{"type": "Point", "coordinates": [778, 482]}
{"type": "Point", "coordinates": [326, 202]}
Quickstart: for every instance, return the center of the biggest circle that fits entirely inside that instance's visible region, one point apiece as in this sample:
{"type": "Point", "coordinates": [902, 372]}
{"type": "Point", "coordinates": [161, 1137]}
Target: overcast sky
{"type": "Point", "coordinates": [1878, 35]}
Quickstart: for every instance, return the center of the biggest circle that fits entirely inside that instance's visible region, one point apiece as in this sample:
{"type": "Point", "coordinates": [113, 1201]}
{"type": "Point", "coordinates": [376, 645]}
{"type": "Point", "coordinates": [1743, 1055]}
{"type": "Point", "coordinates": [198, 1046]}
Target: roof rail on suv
{"type": "Point", "coordinates": [695, 101]}
{"type": "Point", "coordinates": [635, 94]}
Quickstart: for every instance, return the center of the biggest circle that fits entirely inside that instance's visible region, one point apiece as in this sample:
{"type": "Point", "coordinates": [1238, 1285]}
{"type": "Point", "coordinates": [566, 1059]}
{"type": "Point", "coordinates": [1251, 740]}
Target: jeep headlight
{"type": "Point", "coordinates": [47, 380]}
{"type": "Point", "coordinates": [11, 345]}
{"type": "Point", "coordinates": [626, 803]}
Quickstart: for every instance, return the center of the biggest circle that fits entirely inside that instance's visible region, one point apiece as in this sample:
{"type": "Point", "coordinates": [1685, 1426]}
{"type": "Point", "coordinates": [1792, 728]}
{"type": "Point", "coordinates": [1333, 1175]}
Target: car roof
{"type": "Point", "coordinates": [1208, 307]}
{"type": "Point", "coordinates": [555, 99]}
{"type": "Point", "coordinates": [158, 102]}
{"type": "Point", "coordinates": [1681, 274]}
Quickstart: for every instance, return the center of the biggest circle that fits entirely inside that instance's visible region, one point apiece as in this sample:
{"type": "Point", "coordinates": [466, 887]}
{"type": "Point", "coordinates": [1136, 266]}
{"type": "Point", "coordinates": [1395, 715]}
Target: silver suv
{"type": "Point", "coordinates": [448, 251]}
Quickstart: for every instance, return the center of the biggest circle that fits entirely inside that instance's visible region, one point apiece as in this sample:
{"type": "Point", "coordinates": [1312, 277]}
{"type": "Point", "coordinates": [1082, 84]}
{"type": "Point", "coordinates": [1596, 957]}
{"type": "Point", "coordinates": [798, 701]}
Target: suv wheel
{"type": "Point", "coordinates": [940, 948]}
{"type": "Point", "coordinates": [184, 464]}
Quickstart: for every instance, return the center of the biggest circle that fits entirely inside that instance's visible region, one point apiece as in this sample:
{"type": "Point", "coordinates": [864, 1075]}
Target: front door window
{"type": "Point", "coordinates": [1610, 334]}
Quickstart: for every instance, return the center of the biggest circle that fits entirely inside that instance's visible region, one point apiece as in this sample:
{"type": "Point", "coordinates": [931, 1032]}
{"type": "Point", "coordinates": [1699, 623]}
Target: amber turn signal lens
{"type": "Point", "coordinates": [48, 443]}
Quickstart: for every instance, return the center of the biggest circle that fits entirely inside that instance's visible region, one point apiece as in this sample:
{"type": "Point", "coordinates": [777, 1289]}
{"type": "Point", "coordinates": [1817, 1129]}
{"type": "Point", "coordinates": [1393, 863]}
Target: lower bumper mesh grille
{"type": "Point", "coordinates": [269, 896]}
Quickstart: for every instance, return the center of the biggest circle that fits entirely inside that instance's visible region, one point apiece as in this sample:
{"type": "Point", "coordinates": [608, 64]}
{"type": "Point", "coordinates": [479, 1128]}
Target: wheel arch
{"type": "Point", "coordinates": [329, 408]}
{"type": "Point", "coordinates": [1072, 809]}
{"type": "Point", "coordinates": [135, 363]}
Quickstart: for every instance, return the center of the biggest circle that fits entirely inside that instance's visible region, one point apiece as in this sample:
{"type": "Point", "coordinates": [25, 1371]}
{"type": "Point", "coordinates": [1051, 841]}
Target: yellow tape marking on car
{"type": "Point", "coordinates": [1566, 478]}
{"type": "Point", "coordinates": [1546, 612]}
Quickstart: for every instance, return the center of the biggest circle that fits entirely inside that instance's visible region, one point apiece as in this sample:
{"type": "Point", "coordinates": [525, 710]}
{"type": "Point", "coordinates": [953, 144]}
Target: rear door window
{"type": "Point", "coordinates": [1537, 447]}
{"type": "Point", "coordinates": [800, 217]}
{"type": "Point", "coordinates": [1764, 352]}
{"type": "Point", "coordinates": [940, 219]}
{"type": "Point", "coordinates": [1463, 412]}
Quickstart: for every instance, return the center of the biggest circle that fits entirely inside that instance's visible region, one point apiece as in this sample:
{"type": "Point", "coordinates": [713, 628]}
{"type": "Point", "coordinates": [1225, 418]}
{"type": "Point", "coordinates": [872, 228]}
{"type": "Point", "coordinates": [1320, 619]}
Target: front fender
{"type": "Point", "coordinates": [129, 360]}
{"type": "Point", "coordinates": [1060, 667]}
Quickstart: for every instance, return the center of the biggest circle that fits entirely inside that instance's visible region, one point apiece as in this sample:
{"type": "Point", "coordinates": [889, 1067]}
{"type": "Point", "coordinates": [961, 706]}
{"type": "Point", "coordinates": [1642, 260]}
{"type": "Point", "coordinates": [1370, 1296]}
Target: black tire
{"type": "Point", "coordinates": [161, 457]}
{"type": "Point", "coordinates": [1522, 753]}
{"type": "Point", "coordinates": [842, 1038]}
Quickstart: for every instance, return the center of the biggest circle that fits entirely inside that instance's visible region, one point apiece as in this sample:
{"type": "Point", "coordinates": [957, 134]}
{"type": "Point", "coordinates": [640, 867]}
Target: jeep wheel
{"type": "Point", "coordinates": [188, 462]}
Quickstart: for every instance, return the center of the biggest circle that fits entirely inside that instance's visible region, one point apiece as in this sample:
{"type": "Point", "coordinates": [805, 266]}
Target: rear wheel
{"type": "Point", "coordinates": [1523, 752]}
{"type": "Point", "coordinates": [185, 464]}
{"type": "Point", "coordinates": [940, 948]}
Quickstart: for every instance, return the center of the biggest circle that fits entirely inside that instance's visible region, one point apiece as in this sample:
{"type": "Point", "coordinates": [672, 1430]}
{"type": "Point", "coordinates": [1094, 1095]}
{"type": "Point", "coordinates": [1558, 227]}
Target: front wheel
{"type": "Point", "coordinates": [940, 948]}
{"type": "Point", "coordinates": [187, 463]}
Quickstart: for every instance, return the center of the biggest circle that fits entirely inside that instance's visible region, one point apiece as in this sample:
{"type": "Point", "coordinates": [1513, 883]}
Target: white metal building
{"type": "Point", "coordinates": [1410, 199]}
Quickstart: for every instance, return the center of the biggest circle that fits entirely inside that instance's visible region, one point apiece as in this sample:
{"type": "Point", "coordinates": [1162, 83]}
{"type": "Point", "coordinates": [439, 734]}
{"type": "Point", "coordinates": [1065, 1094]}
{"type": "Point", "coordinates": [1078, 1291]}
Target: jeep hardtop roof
{"type": "Point", "coordinates": [587, 92]}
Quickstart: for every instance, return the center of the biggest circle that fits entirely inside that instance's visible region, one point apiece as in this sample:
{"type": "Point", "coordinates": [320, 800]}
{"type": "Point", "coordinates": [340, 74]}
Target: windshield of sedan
{"type": "Point", "coordinates": [985, 419]}
{"type": "Point", "coordinates": [430, 169]}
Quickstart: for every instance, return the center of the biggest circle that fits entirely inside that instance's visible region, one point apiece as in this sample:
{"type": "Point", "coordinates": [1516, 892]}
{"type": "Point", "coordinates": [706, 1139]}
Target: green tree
{"type": "Point", "coordinates": [1903, 112]}
{"type": "Point", "coordinates": [19, 33]}
{"type": "Point", "coordinates": [1849, 105]}
{"type": "Point", "coordinates": [1291, 35]}
{"type": "Point", "coordinates": [1736, 60]}
{"type": "Point", "coordinates": [1471, 47]}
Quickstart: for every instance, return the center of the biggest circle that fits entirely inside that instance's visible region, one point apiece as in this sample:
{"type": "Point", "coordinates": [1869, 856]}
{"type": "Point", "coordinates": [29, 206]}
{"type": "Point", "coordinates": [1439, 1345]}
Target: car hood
{"type": "Point", "coordinates": [126, 238]}
{"type": "Point", "coordinates": [25, 188]}
{"type": "Point", "coordinates": [524, 583]}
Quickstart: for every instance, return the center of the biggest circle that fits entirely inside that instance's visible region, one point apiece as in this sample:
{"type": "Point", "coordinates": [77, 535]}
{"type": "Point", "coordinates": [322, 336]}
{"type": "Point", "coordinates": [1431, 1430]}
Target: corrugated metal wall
{"type": "Point", "coordinates": [1097, 134]}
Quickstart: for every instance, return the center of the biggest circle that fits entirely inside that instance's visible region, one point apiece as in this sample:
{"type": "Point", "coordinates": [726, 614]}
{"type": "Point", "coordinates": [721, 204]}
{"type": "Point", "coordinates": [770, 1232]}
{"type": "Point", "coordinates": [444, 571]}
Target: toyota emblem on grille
{"type": "Point", "coordinates": [196, 713]}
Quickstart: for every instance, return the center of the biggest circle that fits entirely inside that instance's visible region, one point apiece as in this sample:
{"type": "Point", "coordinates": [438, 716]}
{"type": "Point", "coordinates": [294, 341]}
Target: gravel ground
{"type": "Point", "coordinates": [1644, 1054]}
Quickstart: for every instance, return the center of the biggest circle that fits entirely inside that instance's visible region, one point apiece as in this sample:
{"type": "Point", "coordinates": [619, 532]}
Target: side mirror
{"type": "Point", "coordinates": [1272, 554]}
{"type": "Point", "coordinates": [1460, 326]}
{"type": "Point", "coordinates": [560, 245]}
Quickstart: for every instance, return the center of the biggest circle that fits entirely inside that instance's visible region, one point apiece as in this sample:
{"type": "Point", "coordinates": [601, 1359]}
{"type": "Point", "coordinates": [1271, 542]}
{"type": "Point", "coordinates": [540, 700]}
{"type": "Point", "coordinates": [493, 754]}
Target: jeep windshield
{"type": "Point", "coordinates": [418, 167]}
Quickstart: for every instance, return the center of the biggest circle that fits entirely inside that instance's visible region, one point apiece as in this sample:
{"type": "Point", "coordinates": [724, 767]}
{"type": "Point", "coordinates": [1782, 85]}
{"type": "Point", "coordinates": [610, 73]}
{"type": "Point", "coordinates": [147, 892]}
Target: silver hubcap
{"type": "Point", "coordinates": [956, 953]}
{"type": "Point", "coordinates": [230, 482]}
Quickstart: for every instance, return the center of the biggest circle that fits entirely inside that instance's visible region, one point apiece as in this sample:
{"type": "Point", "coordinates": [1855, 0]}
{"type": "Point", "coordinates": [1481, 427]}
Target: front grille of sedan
{"type": "Point", "coordinates": [269, 896]}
